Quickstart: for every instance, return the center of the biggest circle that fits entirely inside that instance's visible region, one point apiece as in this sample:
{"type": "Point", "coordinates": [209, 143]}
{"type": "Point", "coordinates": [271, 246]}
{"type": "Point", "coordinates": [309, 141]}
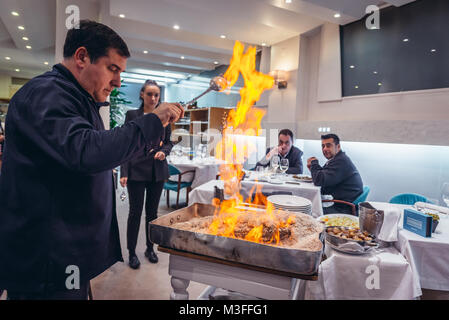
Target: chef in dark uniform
{"type": "Point", "coordinates": [58, 224]}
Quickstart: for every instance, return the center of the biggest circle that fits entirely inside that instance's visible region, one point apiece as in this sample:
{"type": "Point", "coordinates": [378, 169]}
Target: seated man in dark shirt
{"type": "Point", "coordinates": [287, 150]}
{"type": "Point", "coordinates": [338, 177]}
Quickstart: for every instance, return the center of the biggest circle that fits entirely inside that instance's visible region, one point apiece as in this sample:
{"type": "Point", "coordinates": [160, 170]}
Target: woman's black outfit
{"type": "Point", "coordinates": [145, 173]}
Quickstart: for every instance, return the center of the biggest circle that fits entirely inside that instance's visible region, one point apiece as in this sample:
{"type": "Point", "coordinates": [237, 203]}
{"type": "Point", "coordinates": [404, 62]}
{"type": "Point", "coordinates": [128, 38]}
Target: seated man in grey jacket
{"type": "Point", "coordinates": [287, 150]}
{"type": "Point", "coordinates": [338, 177]}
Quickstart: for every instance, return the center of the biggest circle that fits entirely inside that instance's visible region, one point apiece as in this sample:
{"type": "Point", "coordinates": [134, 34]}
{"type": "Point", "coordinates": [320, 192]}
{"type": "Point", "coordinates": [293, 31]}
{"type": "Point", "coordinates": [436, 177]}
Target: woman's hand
{"type": "Point", "coordinates": [159, 156]}
{"type": "Point", "coordinates": [123, 181]}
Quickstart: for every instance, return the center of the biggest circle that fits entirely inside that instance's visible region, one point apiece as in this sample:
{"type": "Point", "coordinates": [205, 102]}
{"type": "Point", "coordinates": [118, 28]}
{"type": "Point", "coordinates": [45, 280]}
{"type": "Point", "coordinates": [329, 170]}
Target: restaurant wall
{"type": "Point", "coordinates": [390, 169]}
{"type": "Point", "coordinates": [282, 103]}
{"type": "Point", "coordinates": [418, 117]}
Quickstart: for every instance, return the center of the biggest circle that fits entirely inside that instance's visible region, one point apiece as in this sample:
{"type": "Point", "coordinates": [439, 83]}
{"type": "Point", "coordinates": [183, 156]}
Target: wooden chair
{"type": "Point", "coordinates": [354, 204]}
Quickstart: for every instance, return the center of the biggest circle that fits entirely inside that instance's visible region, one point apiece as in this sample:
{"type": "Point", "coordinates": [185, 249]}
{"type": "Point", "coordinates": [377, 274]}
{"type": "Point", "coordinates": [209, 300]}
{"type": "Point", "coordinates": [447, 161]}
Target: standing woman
{"type": "Point", "coordinates": [147, 172]}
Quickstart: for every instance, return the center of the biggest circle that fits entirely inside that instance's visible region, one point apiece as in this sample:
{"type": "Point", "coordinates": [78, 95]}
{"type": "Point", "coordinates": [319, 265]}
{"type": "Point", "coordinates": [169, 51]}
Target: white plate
{"type": "Point", "coordinates": [290, 201]}
{"type": "Point", "coordinates": [350, 248]}
{"type": "Point", "coordinates": [339, 215]}
{"type": "Point", "coordinates": [275, 181]}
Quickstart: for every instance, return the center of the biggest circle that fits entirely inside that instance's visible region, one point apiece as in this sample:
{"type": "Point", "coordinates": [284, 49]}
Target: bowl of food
{"type": "Point", "coordinates": [339, 220]}
{"type": "Point", "coordinates": [350, 240]}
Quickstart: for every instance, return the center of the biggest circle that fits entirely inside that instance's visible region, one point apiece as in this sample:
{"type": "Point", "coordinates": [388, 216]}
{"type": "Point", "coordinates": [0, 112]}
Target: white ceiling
{"type": "Point", "coordinates": [148, 25]}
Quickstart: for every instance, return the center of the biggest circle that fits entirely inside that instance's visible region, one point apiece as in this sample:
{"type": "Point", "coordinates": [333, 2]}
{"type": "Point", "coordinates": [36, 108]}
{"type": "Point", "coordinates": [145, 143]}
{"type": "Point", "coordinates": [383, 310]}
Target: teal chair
{"type": "Point", "coordinates": [355, 203]}
{"type": "Point", "coordinates": [409, 198]}
{"type": "Point", "coordinates": [179, 185]}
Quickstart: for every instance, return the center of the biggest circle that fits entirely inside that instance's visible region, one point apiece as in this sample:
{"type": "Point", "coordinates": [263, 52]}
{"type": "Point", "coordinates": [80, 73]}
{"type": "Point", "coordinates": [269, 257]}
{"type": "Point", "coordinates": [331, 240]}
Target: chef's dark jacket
{"type": "Point", "coordinates": [340, 178]}
{"type": "Point", "coordinates": [145, 167]}
{"type": "Point", "coordinates": [57, 199]}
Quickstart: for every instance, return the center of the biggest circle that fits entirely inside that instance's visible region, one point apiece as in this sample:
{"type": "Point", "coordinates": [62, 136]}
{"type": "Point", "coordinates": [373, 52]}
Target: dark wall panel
{"type": "Point", "coordinates": [383, 62]}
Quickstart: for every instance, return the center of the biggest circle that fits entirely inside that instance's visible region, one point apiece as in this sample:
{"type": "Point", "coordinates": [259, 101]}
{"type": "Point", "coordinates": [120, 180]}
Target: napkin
{"type": "Point", "coordinates": [432, 207]}
{"type": "Point", "coordinates": [389, 230]}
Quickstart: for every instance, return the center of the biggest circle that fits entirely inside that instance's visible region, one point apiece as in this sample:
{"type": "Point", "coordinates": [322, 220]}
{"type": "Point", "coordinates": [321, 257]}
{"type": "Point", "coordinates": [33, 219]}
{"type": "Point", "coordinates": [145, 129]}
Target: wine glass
{"type": "Point", "coordinates": [202, 148]}
{"type": "Point", "coordinates": [283, 165]}
{"type": "Point", "coordinates": [275, 161]}
{"type": "Point", "coordinates": [445, 193]}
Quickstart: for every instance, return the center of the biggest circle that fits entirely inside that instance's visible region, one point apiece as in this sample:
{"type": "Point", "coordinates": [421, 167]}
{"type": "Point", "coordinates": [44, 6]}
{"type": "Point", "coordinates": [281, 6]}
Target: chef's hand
{"type": "Point", "coordinates": [169, 112]}
{"type": "Point", "coordinates": [159, 156]}
{"type": "Point", "coordinates": [123, 181]}
{"type": "Point", "coordinates": [309, 162]}
{"type": "Point", "coordinates": [272, 152]}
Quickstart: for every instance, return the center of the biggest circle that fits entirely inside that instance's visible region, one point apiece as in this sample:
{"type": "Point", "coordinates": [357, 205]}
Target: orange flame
{"type": "Point", "coordinates": [244, 120]}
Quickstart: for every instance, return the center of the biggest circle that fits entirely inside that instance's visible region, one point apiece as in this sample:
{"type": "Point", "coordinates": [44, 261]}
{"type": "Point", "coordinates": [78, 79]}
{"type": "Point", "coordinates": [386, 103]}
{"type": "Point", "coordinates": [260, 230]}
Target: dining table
{"type": "Point", "coordinates": [398, 269]}
{"type": "Point", "coordinates": [429, 257]}
{"type": "Point", "coordinates": [281, 184]}
{"type": "Point", "coordinates": [404, 266]}
{"type": "Point", "coordinates": [206, 169]}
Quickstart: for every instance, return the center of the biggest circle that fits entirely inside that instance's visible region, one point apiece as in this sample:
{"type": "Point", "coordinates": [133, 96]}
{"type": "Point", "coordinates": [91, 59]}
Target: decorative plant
{"type": "Point", "coordinates": [118, 109]}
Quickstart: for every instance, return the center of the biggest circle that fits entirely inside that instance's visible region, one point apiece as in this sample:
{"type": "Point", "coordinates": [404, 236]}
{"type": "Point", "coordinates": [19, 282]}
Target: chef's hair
{"type": "Point", "coordinates": [97, 38]}
{"type": "Point", "coordinates": [150, 83]}
{"type": "Point", "coordinates": [333, 136]}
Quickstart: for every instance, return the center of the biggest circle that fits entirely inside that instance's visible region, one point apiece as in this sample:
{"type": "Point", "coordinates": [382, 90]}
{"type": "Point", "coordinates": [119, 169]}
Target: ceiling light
{"type": "Point", "coordinates": [121, 15]}
{"type": "Point", "coordinates": [352, 67]}
{"type": "Point", "coordinates": [28, 47]}
{"type": "Point", "coordinates": [433, 50]}
{"type": "Point", "coordinates": [159, 73]}
{"type": "Point", "coordinates": [379, 84]}
{"type": "Point", "coordinates": [375, 72]}
{"type": "Point", "coordinates": [215, 62]}
{"type": "Point", "coordinates": [17, 70]}
{"type": "Point", "coordinates": [405, 40]}
{"type": "Point", "coordinates": [264, 44]}
{"type": "Point", "coordinates": [337, 15]}
{"type": "Point", "coordinates": [8, 58]}
{"type": "Point", "coordinates": [223, 36]}
{"type": "Point", "coordinates": [46, 63]}
{"type": "Point", "coordinates": [182, 57]}
{"type": "Point", "coordinates": [14, 13]}
{"type": "Point", "coordinates": [145, 51]}
{"type": "Point", "coordinates": [176, 27]}
{"type": "Point", "coordinates": [356, 87]}
{"type": "Point", "coordinates": [288, 1]}
{"type": "Point", "coordinates": [21, 27]}
{"type": "Point", "coordinates": [145, 77]}
{"type": "Point", "coordinates": [25, 38]}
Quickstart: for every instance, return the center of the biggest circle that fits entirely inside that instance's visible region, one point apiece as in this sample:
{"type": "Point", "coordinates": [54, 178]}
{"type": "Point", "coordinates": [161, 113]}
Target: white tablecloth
{"type": "Point", "coordinates": [205, 192]}
{"type": "Point", "coordinates": [382, 274]}
{"type": "Point", "coordinates": [205, 170]}
{"type": "Point", "coordinates": [429, 257]}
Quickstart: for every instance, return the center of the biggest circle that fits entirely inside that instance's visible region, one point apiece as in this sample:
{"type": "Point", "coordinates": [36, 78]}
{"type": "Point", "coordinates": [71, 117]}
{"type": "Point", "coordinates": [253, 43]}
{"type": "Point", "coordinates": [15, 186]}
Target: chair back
{"type": "Point", "coordinates": [363, 196]}
{"type": "Point", "coordinates": [172, 170]}
{"type": "Point", "coordinates": [408, 198]}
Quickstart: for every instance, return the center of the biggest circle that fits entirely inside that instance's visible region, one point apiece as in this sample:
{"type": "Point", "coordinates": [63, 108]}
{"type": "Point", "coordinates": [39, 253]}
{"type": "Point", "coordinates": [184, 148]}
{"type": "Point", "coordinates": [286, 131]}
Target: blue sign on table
{"type": "Point", "coordinates": [418, 222]}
